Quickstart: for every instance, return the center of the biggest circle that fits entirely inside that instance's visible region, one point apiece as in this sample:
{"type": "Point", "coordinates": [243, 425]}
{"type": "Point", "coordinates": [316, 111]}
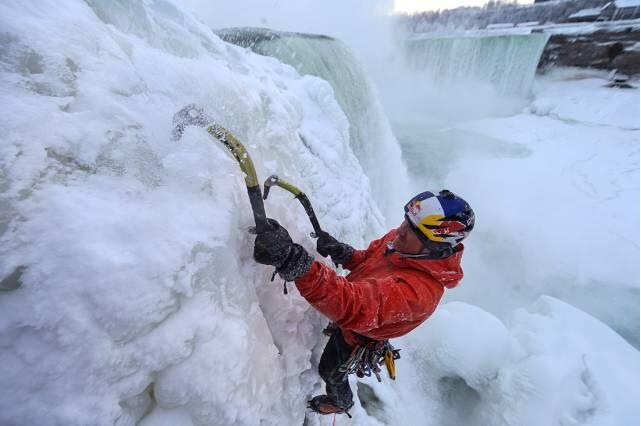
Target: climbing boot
{"type": "Point", "coordinates": [327, 404]}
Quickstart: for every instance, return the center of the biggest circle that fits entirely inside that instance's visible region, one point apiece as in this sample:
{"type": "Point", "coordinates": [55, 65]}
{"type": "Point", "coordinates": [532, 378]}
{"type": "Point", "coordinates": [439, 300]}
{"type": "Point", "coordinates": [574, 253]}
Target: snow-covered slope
{"type": "Point", "coordinates": [550, 364]}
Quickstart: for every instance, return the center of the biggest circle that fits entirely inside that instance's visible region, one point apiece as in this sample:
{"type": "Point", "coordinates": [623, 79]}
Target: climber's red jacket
{"type": "Point", "coordinates": [385, 295]}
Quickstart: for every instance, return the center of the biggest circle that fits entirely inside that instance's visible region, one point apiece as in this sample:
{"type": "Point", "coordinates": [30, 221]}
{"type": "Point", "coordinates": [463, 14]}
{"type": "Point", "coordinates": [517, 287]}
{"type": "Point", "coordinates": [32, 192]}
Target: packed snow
{"type": "Point", "coordinates": [140, 303]}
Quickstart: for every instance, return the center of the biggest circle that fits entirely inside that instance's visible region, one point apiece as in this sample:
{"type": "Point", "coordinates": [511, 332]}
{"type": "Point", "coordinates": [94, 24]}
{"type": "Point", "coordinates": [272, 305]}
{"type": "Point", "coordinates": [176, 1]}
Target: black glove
{"type": "Point", "coordinates": [272, 246]}
{"type": "Point", "coordinates": [275, 247]}
{"type": "Point", "coordinates": [326, 245]}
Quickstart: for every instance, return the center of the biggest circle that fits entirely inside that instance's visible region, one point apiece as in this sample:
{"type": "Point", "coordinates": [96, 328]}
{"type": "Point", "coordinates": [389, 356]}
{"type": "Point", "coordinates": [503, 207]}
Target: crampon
{"type": "Point", "coordinates": [327, 404]}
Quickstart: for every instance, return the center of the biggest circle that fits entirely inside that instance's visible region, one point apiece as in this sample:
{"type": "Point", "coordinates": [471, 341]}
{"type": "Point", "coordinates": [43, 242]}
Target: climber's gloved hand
{"type": "Point", "coordinates": [272, 246]}
{"type": "Point", "coordinates": [326, 245]}
{"type": "Point", "coordinates": [275, 247]}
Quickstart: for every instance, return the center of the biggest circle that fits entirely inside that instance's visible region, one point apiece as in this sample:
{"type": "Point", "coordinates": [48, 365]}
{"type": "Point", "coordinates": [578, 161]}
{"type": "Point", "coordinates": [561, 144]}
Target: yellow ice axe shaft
{"type": "Point", "coordinates": [241, 155]}
{"type": "Point", "coordinates": [192, 115]}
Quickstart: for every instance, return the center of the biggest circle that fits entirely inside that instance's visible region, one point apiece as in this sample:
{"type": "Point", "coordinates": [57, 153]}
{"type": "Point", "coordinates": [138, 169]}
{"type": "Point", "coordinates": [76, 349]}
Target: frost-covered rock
{"type": "Point", "coordinates": [602, 49]}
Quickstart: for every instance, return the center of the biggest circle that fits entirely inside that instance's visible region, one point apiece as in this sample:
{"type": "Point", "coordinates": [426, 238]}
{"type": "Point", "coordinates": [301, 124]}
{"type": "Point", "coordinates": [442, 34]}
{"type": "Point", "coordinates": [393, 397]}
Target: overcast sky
{"type": "Point", "coordinates": [410, 6]}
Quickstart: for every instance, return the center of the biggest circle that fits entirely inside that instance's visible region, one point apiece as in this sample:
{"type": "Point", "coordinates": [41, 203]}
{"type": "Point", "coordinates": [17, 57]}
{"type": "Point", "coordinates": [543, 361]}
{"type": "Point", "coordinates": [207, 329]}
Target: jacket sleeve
{"type": "Point", "coordinates": [368, 304]}
{"type": "Point", "coordinates": [359, 256]}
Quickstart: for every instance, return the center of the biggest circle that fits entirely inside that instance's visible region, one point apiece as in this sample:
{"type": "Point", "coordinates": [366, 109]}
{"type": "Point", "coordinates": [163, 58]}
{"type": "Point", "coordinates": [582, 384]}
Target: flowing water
{"type": "Point", "coordinates": [507, 62]}
{"type": "Point", "coordinates": [371, 136]}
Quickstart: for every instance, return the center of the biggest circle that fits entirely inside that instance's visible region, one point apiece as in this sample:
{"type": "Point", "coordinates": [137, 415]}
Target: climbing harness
{"type": "Point", "coordinates": [367, 358]}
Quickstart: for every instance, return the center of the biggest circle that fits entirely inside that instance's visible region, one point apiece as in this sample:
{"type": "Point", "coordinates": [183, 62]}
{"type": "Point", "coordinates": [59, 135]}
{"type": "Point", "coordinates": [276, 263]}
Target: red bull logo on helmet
{"type": "Point", "coordinates": [449, 227]}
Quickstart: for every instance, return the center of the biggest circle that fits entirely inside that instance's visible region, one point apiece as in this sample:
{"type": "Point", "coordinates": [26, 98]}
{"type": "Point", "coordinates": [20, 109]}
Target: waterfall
{"type": "Point", "coordinates": [371, 137]}
{"type": "Point", "coordinates": [506, 62]}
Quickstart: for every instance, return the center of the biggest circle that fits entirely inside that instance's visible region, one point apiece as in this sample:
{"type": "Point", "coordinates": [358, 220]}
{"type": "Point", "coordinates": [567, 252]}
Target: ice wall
{"type": "Point", "coordinates": [138, 298]}
{"type": "Point", "coordinates": [370, 134]}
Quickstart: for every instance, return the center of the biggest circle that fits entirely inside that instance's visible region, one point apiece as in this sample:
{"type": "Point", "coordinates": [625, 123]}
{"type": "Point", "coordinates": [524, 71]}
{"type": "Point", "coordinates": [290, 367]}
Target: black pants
{"type": "Point", "coordinates": [335, 354]}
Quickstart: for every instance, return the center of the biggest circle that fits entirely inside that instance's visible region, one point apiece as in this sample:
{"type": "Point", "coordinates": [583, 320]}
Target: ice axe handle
{"type": "Point", "coordinates": [258, 208]}
{"type": "Point", "coordinates": [310, 212]}
{"type": "Point", "coordinates": [300, 196]}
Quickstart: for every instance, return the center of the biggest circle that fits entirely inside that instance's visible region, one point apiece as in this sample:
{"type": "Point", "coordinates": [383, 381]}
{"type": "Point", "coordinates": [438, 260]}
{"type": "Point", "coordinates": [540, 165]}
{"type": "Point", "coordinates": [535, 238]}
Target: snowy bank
{"type": "Point", "coordinates": [552, 364]}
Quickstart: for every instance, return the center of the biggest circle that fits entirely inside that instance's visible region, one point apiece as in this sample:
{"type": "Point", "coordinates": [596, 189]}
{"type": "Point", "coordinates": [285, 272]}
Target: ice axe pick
{"type": "Point", "coordinates": [193, 115]}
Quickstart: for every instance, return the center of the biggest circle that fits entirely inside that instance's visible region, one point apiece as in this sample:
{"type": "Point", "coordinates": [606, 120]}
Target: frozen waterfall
{"type": "Point", "coordinates": [371, 137]}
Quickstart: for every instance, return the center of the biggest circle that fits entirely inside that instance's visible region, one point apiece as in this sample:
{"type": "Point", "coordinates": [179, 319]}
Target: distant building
{"type": "Point", "coordinates": [585, 15]}
{"type": "Point", "coordinates": [626, 9]}
{"type": "Point", "coordinates": [612, 11]}
{"type": "Point", "coordinates": [620, 9]}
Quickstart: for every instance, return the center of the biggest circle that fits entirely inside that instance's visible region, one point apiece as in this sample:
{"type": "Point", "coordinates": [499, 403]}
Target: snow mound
{"type": "Point", "coordinates": [552, 364]}
{"type": "Point", "coordinates": [604, 106]}
{"type": "Point", "coordinates": [465, 342]}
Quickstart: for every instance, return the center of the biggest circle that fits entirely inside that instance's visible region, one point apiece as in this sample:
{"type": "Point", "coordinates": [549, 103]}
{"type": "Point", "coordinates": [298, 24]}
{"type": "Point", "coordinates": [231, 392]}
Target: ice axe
{"type": "Point", "coordinates": [193, 115]}
{"type": "Point", "coordinates": [274, 180]}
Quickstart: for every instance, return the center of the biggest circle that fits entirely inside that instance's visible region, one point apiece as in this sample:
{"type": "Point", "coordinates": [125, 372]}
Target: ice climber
{"type": "Point", "coordinates": [394, 285]}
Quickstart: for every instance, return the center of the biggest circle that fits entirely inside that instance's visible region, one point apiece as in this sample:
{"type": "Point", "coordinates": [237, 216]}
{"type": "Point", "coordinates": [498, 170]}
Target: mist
{"type": "Point", "coordinates": [359, 23]}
